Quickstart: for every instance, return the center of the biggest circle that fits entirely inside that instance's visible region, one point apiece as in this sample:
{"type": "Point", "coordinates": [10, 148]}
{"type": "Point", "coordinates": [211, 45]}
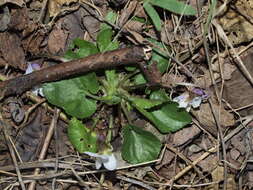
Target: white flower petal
{"type": "Point", "coordinates": [92, 154]}
{"type": "Point", "coordinates": [111, 164]}
{"type": "Point", "coordinates": [98, 163]}
{"type": "Point", "coordinates": [109, 161]}
{"type": "Point", "coordinates": [188, 108]}
{"type": "Point", "coordinates": [182, 100]}
{"type": "Point", "coordinates": [29, 69]}
{"type": "Point", "coordinates": [195, 103]}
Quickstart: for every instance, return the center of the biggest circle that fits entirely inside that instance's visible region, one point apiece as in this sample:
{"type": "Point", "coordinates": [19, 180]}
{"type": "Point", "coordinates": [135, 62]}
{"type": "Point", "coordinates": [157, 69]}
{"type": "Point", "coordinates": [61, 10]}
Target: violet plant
{"type": "Point", "coordinates": [79, 96]}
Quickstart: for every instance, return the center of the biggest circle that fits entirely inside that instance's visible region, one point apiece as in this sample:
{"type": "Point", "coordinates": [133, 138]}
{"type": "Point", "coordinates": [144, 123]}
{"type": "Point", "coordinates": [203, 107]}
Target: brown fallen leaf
{"type": "Point", "coordinates": [30, 138]}
{"type": "Point", "coordinates": [238, 27]}
{"type": "Point", "coordinates": [238, 91]}
{"type": "Point", "coordinates": [20, 20]}
{"type": "Point", "coordinates": [205, 116]}
{"type": "Point", "coordinates": [54, 6]}
{"type": "Point", "coordinates": [4, 18]}
{"type": "Point", "coordinates": [134, 26]}
{"type": "Point", "coordinates": [57, 40]}
{"type": "Point", "coordinates": [11, 50]}
{"type": "Point", "coordinates": [127, 12]}
{"type": "Point", "coordinates": [208, 164]}
{"type": "Point", "coordinates": [217, 175]}
{"type": "Point", "coordinates": [19, 3]}
{"type": "Point", "coordinates": [185, 135]}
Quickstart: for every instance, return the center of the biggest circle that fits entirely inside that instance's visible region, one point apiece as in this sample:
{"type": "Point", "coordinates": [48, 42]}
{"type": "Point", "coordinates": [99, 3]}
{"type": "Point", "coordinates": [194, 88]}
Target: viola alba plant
{"type": "Point", "coordinates": [79, 98]}
{"type": "Point", "coordinates": [108, 160]}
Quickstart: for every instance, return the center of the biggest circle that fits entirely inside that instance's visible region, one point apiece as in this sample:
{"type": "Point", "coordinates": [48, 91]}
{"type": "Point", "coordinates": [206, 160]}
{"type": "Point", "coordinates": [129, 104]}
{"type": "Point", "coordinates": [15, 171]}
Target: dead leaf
{"type": "Point", "coordinates": [231, 184]}
{"type": "Point", "coordinates": [87, 20]}
{"type": "Point", "coordinates": [238, 27]}
{"type": "Point", "coordinates": [19, 20]}
{"type": "Point", "coordinates": [30, 139]}
{"type": "Point", "coordinates": [136, 38]}
{"type": "Point", "coordinates": [238, 143]}
{"type": "Point", "coordinates": [134, 26]}
{"type": "Point", "coordinates": [248, 178]}
{"type": "Point", "coordinates": [140, 12]}
{"type": "Point", "coordinates": [19, 3]}
{"type": "Point", "coordinates": [3, 62]}
{"type": "Point", "coordinates": [217, 175]}
{"type": "Point", "coordinates": [127, 12]}
{"type": "Point", "coordinates": [227, 68]}
{"type": "Point", "coordinates": [57, 40]}
{"type": "Point", "coordinates": [13, 108]}
{"type": "Point", "coordinates": [167, 158]}
{"type": "Point", "coordinates": [4, 18]}
{"type": "Point", "coordinates": [185, 135]}
{"type": "Point", "coordinates": [54, 6]}
{"type": "Point", "coordinates": [238, 91]}
{"type": "Point", "coordinates": [76, 24]}
{"type": "Point", "coordinates": [205, 116]}
{"type": "Point", "coordinates": [34, 43]}
{"type": "Point", "coordinates": [12, 50]}
{"type": "Point", "coordinates": [234, 154]}
{"type": "Point", "coordinates": [170, 79]}
{"type": "Point", "coordinates": [208, 164]}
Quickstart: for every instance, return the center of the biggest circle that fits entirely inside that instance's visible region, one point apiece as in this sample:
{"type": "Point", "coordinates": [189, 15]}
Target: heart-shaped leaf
{"type": "Point", "coordinates": [70, 95]}
{"type": "Point", "coordinates": [104, 40]}
{"type": "Point", "coordinates": [167, 117]}
{"type": "Point", "coordinates": [111, 17]}
{"type": "Point", "coordinates": [81, 137]}
{"type": "Point", "coordinates": [144, 103]}
{"type": "Point", "coordinates": [139, 145]}
{"type": "Point", "coordinates": [79, 49]}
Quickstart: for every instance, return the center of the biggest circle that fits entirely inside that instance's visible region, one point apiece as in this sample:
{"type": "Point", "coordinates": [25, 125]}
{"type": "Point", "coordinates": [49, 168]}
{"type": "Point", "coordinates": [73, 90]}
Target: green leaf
{"type": "Point", "coordinates": [79, 49]}
{"type": "Point", "coordinates": [159, 95]}
{"type": "Point", "coordinates": [82, 138]}
{"type": "Point", "coordinates": [70, 95]}
{"type": "Point", "coordinates": [111, 17]}
{"type": "Point", "coordinates": [111, 99]}
{"type": "Point", "coordinates": [130, 68]}
{"type": "Point", "coordinates": [167, 117]}
{"type": "Point", "coordinates": [112, 79]}
{"type": "Point", "coordinates": [90, 82]}
{"type": "Point", "coordinates": [139, 79]}
{"type": "Point", "coordinates": [174, 6]}
{"type": "Point", "coordinates": [104, 40]}
{"type": "Point", "coordinates": [139, 19]}
{"type": "Point", "coordinates": [170, 118]}
{"type": "Point", "coordinates": [139, 145]}
{"type": "Point", "coordinates": [211, 14]}
{"type": "Point", "coordinates": [144, 103]}
{"type": "Point", "coordinates": [111, 85]}
{"type": "Point", "coordinates": [159, 57]}
{"type": "Point", "coordinates": [153, 15]}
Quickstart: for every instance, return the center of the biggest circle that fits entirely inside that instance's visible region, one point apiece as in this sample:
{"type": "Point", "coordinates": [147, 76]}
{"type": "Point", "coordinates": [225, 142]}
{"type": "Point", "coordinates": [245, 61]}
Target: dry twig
{"type": "Point", "coordinates": [45, 145]}
{"type": "Point", "coordinates": [134, 55]}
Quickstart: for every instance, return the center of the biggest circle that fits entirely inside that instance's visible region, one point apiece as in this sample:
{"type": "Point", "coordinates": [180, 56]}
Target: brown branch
{"type": "Point", "coordinates": [134, 55]}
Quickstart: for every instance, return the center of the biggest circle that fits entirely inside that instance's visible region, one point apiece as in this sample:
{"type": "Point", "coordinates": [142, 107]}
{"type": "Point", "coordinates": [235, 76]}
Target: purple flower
{"type": "Point", "coordinates": [200, 92]}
